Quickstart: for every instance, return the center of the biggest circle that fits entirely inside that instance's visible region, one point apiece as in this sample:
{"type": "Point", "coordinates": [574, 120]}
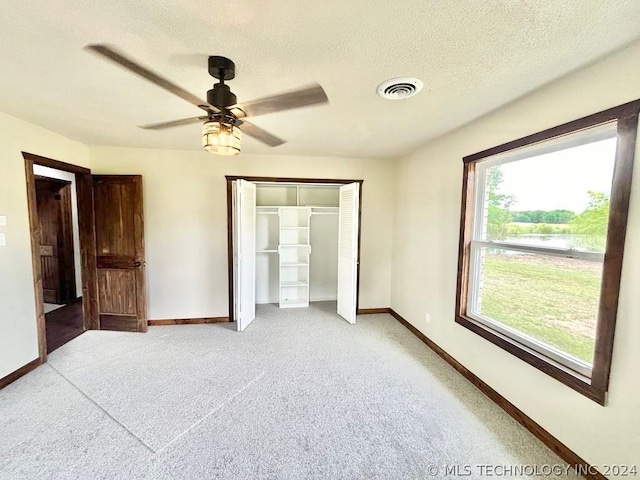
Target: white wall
{"type": "Point", "coordinates": [426, 254]}
{"type": "Point", "coordinates": [267, 264]}
{"type": "Point", "coordinates": [323, 263]}
{"type": "Point", "coordinates": [186, 220]}
{"type": "Point", "coordinates": [18, 338]}
{"type": "Point", "coordinates": [70, 177]}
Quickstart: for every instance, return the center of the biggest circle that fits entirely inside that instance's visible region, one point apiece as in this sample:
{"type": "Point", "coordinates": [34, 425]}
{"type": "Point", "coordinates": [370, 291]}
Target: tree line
{"type": "Point", "coordinates": [591, 224]}
{"type": "Point", "coordinates": [543, 216]}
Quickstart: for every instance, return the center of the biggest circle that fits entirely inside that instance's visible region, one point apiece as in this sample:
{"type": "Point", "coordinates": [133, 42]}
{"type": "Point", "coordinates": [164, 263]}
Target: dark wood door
{"type": "Point", "coordinates": [120, 252]}
{"type": "Point", "coordinates": [53, 200]}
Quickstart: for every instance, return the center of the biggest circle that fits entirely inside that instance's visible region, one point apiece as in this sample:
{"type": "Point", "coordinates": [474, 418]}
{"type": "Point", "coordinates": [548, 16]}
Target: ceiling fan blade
{"type": "Point", "coordinates": [260, 134]}
{"type": "Point", "coordinates": [304, 97]}
{"type": "Point", "coordinates": [113, 55]}
{"type": "Point", "coordinates": [175, 123]}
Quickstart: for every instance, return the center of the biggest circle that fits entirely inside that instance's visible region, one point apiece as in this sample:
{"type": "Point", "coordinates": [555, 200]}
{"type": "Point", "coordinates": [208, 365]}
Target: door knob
{"type": "Point", "coordinates": [137, 264]}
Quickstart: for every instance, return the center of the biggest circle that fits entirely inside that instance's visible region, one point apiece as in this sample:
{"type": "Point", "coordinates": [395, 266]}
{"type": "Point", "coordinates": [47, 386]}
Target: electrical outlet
{"type": "Point", "coordinates": [427, 318]}
{"type": "Point", "coordinates": [3, 220]}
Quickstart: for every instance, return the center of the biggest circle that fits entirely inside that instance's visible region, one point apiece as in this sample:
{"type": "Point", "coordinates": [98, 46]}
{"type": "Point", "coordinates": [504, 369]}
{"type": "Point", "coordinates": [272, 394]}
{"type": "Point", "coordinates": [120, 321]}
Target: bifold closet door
{"type": "Point", "coordinates": [245, 248]}
{"type": "Point", "coordinates": [348, 251]}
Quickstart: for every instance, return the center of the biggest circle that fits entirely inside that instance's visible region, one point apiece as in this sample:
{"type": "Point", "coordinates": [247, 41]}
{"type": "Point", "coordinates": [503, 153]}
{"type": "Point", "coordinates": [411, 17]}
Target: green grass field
{"type": "Point", "coordinates": [551, 299]}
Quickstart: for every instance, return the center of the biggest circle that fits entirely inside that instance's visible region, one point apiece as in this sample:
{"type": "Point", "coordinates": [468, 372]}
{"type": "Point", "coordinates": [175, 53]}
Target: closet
{"type": "Point", "coordinates": [294, 243]}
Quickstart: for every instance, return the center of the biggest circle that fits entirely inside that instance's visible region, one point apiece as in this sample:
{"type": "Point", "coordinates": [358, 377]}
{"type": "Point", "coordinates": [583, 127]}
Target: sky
{"type": "Point", "coordinates": [560, 180]}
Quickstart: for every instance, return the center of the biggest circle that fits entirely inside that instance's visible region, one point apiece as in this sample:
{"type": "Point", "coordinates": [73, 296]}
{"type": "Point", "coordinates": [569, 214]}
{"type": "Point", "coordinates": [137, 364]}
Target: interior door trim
{"type": "Point", "coordinates": [84, 195]}
{"type": "Point", "coordinates": [230, 230]}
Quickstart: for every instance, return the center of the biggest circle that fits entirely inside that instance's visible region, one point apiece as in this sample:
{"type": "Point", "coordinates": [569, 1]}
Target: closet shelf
{"type": "Point", "coordinates": [294, 284]}
{"type": "Point", "coordinates": [324, 209]}
{"type": "Point", "coordinates": [294, 228]}
{"type": "Point", "coordinates": [296, 206]}
{"type": "Point", "coordinates": [267, 251]}
{"type": "Point", "coordinates": [294, 245]}
{"type": "Point", "coordinates": [294, 264]}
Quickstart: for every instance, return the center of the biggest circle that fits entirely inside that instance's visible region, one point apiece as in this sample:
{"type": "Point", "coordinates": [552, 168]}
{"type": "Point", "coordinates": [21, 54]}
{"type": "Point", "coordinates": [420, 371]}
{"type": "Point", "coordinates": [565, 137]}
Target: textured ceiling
{"type": "Point", "coordinates": [473, 56]}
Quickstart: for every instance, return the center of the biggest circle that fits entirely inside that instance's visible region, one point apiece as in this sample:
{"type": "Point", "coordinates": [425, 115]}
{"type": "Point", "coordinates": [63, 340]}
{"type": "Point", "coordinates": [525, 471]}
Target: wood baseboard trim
{"type": "Point", "coordinates": [197, 321]}
{"type": "Point", "coordinates": [187, 321]}
{"type": "Point", "coordinates": [373, 311]}
{"type": "Point", "coordinates": [22, 371]}
{"type": "Point", "coordinates": [559, 448]}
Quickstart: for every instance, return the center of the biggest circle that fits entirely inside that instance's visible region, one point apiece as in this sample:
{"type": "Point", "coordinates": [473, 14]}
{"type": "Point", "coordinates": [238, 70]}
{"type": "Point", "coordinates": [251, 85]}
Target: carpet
{"type": "Point", "coordinates": [301, 394]}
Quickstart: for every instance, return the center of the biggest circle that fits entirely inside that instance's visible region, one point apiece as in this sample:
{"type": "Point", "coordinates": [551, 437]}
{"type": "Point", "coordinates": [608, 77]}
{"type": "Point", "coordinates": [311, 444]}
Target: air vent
{"type": "Point", "coordinates": [399, 88]}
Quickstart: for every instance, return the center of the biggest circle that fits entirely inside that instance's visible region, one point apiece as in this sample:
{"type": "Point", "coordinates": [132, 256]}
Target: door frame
{"type": "Point", "coordinates": [230, 221]}
{"type": "Point", "coordinates": [84, 194]}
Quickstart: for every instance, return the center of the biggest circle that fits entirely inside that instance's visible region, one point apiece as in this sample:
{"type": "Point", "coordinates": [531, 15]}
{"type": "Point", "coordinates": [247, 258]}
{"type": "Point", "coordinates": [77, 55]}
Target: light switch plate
{"type": "Point", "coordinates": [3, 240]}
{"type": "Point", "coordinates": [3, 220]}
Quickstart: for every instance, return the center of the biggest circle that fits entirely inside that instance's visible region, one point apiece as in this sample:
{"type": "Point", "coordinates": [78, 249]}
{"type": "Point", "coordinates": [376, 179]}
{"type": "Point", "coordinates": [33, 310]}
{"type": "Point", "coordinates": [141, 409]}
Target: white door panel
{"type": "Point", "coordinates": [348, 251]}
{"type": "Point", "coordinates": [245, 222]}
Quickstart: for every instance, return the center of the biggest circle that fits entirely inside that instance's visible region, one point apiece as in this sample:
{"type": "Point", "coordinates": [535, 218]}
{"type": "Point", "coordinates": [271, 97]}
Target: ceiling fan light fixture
{"type": "Point", "coordinates": [221, 136]}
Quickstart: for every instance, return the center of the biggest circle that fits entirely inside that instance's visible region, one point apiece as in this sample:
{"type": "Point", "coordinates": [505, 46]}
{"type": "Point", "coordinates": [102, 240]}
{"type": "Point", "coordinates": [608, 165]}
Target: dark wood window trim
{"type": "Point", "coordinates": [232, 178]}
{"type": "Point", "coordinates": [596, 388]}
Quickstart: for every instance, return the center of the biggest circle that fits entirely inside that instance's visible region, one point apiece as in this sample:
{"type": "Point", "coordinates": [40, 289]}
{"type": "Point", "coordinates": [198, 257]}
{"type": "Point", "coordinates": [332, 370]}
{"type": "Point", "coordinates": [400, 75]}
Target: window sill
{"type": "Point", "coordinates": [561, 373]}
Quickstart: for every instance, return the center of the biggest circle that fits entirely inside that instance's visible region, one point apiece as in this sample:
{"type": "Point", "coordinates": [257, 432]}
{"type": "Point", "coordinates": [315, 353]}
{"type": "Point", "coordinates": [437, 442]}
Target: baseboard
{"type": "Point", "coordinates": [187, 321]}
{"type": "Point", "coordinates": [323, 298]}
{"type": "Point", "coordinates": [373, 311]}
{"type": "Point", "coordinates": [527, 422]}
{"type": "Point", "coordinates": [329, 298]}
{"type": "Point", "coordinates": [12, 377]}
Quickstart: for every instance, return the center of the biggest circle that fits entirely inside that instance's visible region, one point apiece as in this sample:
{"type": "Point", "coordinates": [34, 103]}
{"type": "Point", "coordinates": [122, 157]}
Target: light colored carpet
{"type": "Point", "coordinates": [301, 394]}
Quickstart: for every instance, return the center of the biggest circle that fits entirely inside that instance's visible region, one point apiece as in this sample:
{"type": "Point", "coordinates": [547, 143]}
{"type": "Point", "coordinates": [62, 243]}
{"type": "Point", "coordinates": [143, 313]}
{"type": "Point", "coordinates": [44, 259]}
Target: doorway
{"type": "Point", "coordinates": [57, 208]}
{"type": "Point", "coordinates": [282, 248]}
{"type": "Point", "coordinates": [57, 224]}
{"type": "Point", "coordinates": [62, 249]}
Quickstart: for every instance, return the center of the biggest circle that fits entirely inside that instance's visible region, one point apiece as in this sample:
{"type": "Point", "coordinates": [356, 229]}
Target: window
{"type": "Point", "coordinates": [542, 238]}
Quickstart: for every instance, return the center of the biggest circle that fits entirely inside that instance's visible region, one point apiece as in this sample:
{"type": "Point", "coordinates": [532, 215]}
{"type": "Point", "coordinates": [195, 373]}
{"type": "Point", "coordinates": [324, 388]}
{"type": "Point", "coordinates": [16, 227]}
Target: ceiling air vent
{"type": "Point", "coordinates": [399, 88]}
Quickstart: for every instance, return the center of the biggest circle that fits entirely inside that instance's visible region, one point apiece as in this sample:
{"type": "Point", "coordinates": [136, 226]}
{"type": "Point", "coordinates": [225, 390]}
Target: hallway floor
{"type": "Point", "coordinates": [63, 324]}
{"type": "Point", "coordinates": [301, 394]}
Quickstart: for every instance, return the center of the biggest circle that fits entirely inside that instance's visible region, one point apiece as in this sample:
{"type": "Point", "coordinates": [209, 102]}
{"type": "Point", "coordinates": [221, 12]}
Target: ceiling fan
{"type": "Point", "coordinates": [225, 118]}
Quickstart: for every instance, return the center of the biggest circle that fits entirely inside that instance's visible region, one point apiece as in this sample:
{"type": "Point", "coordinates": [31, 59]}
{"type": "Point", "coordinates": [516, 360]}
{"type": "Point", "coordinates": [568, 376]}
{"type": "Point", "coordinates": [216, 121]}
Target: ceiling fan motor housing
{"type": "Point", "coordinates": [221, 96]}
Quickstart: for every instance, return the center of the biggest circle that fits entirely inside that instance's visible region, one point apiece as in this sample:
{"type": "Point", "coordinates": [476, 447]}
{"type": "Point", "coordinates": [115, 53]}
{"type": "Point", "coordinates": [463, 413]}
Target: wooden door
{"type": "Point", "coordinates": [53, 200]}
{"type": "Point", "coordinates": [119, 229]}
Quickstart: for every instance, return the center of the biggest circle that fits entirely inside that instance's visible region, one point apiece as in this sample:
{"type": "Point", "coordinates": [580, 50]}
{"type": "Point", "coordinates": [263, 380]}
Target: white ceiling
{"type": "Point", "coordinates": [473, 56]}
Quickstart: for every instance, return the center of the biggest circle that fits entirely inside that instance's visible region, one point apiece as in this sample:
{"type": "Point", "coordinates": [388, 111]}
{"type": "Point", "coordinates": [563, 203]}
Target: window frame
{"type": "Point", "coordinates": [596, 386]}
